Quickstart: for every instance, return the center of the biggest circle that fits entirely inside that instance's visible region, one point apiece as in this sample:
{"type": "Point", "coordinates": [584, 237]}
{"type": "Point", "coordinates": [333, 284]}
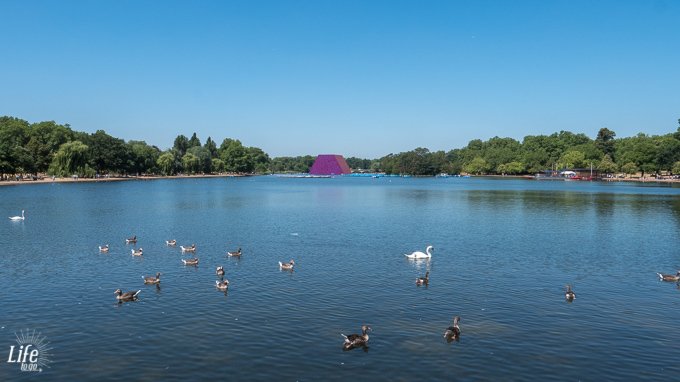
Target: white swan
{"type": "Point", "coordinates": [420, 255]}
{"type": "Point", "coordinates": [15, 218]}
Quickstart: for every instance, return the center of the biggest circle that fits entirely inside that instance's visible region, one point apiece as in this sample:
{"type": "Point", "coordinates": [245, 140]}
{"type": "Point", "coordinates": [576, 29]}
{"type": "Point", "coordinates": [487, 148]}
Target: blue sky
{"type": "Point", "coordinates": [358, 78]}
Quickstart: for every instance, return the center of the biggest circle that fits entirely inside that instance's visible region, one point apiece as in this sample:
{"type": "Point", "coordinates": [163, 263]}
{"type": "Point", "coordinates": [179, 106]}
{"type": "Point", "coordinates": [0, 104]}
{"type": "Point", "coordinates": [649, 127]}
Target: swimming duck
{"type": "Point", "coordinates": [664, 277]}
{"type": "Point", "coordinates": [569, 295]}
{"type": "Point", "coordinates": [127, 296]}
{"type": "Point", "coordinates": [453, 332]}
{"type": "Point", "coordinates": [420, 255]}
{"type": "Point", "coordinates": [152, 279]}
{"type": "Point", "coordinates": [139, 252]}
{"type": "Point", "coordinates": [193, 261]}
{"type": "Point", "coordinates": [236, 254]}
{"type": "Point", "coordinates": [287, 266]}
{"type": "Point", "coordinates": [356, 340]}
{"type": "Point", "coordinates": [423, 280]}
{"type": "Point", "coordinates": [188, 249]}
{"type": "Point", "coordinates": [131, 240]}
{"type": "Point", "coordinates": [104, 248]}
{"type": "Point", "coordinates": [171, 243]}
{"type": "Point", "coordinates": [220, 271]}
{"type": "Point", "coordinates": [222, 285]}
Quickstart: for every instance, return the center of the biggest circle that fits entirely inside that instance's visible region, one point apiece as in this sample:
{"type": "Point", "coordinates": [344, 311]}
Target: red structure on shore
{"type": "Point", "coordinates": [329, 165]}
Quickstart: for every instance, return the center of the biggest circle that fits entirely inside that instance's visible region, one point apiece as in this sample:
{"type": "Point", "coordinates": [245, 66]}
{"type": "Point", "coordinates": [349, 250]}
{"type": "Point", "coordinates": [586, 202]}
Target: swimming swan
{"type": "Point", "coordinates": [420, 255]}
{"type": "Point", "coordinates": [15, 218]}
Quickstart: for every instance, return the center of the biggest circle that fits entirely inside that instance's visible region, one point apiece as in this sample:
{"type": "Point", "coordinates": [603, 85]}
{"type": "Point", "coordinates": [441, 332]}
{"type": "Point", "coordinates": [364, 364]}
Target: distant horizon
{"type": "Point", "coordinates": [361, 79]}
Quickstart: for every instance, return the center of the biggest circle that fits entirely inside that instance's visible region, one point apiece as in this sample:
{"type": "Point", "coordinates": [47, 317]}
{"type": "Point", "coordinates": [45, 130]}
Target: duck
{"type": "Point", "coordinates": [127, 296]}
{"type": "Point", "coordinates": [220, 271]}
{"type": "Point", "coordinates": [453, 332]}
{"type": "Point", "coordinates": [222, 285]}
{"type": "Point", "coordinates": [171, 243]}
{"type": "Point", "coordinates": [17, 218]}
{"type": "Point", "coordinates": [193, 261]}
{"type": "Point", "coordinates": [287, 266]}
{"type": "Point", "coordinates": [356, 340]}
{"type": "Point", "coordinates": [138, 252]}
{"type": "Point", "coordinates": [104, 248]}
{"type": "Point", "coordinates": [420, 255]}
{"type": "Point", "coordinates": [569, 295]}
{"type": "Point", "coordinates": [131, 240]}
{"type": "Point", "coordinates": [188, 249]}
{"type": "Point", "coordinates": [423, 280]}
{"type": "Point", "coordinates": [152, 279]}
{"type": "Point", "coordinates": [664, 277]}
{"type": "Point", "coordinates": [237, 253]}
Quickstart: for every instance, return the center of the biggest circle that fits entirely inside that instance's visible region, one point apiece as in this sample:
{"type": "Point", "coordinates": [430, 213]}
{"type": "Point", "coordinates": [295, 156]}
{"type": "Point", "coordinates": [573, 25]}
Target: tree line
{"type": "Point", "coordinates": [54, 149]}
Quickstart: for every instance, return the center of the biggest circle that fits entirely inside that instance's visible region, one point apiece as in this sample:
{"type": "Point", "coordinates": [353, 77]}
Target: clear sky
{"type": "Point", "coordinates": [357, 78]}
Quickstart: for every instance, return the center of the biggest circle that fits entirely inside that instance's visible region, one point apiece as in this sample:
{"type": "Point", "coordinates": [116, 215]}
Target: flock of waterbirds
{"type": "Point", "coordinates": [351, 341]}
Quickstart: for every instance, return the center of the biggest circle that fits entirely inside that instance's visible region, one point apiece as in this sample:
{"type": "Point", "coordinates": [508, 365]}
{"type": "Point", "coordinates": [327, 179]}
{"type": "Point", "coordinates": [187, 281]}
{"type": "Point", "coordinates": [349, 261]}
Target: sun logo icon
{"type": "Point", "coordinates": [33, 352]}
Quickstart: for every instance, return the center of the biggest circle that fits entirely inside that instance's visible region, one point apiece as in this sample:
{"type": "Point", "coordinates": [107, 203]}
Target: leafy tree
{"type": "Point", "coordinates": [45, 138]}
{"type": "Point", "coordinates": [212, 148]}
{"type": "Point", "coordinates": [107, 154]}
{"type": "Point", "coordinates": [142, 157]}
{"type": "Point", "coordinates": [629, 168]}
{"type": "Point", "coordinates": [477, 166]}
{"type": "Point", "coordinates": [605, 141]}
{"type": "Point", "coordinates": [218, 165]}
{"type": "Point", "coordinates": [259, 158]}
{"type": "Point", "coordinates": [181, 145]}
{"type": "Point", "coordinates": [203, 156]}
{"type": "Point", "coordinates": [13, 136]}
{"type": "Point", "coordinates": [191, 163]}
{"type": "Point", "coordinates": [513, 167]}
{"type": "Point", "coordinates": [676, 168]}
{"type": "Point", "coordinates": [607, 165]}
{"type": "Point", "coordinates": [166, 163]}
{"type": "Point", "coordinates": [235, 156]}
{"type": "Point", "coordinates": [70, 159]}
{"type": "Point", "coordinates": [194, 141]}
{"type": "Point", "coordinates": [572, 159]}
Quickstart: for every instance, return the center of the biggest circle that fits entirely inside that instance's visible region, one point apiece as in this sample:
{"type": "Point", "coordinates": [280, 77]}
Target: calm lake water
{"type": "Point", "coordinates": [504, 249]}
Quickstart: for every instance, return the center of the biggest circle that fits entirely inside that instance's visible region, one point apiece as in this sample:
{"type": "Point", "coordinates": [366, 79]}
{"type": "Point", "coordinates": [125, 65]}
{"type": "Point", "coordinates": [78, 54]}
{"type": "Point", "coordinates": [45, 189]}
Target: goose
{"type": "Point", "coordinates": [193, 261]}
{"type": "Point", "coordinates": [569, 295]}
{"type": "Point", "coordinates": [138, 252]}
{"type": "Point", "coordinates": [236, 254]}
{"type": "Point", "coordinates": [222, 285]}
{"type": "Point", "coordinates": [423, 280]}
{"type": "Point", "coordinates": [188, 249]}
{"type": "Point", "coordinates": [127, 296]}
{"type": "Point", "coordinates": [152, 279]}
{"type": "Point", "coordinates": [453, 332]}
{"type": "Point", "coordinates": [171, 243]}
{"type": "Point", "coordinates": [287, 266]}
{"type": "Point", "coordinates": [16, 218]}
{"type": "Point", "coordinates": [104, 248]}
{"type": "Point", "coordinates": [664, 277]}
{"type": "Point", "coordinates": [131, 240]}
{"type": "Point", "coordinates": [420, 255]}
{"type": "Point", "coordinates": [220, 271]}
{"type": "Point", "coordinates": [356, 340]}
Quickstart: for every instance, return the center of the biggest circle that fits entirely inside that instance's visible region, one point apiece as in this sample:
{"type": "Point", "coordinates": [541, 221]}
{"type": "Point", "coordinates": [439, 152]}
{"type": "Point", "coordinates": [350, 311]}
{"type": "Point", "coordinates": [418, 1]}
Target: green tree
{"type": "Point", "coordinates": [676, 168]}
{"type": "Point", "coordinates": [107, 154]}
{"type": "Point", "coordinates": [204, 160]}
{"type": "Point", "coordinates": [605, 141]}
{"type": "Point", "coordinates": [181, 145]}
{"type": "Point", "coordinates": [194, 141]}
{"type": "Point", "coordinates": [235, 156]}
{"type": "Point", "coordinates": [211, 147]}
{"type": "Point", "coordinates": [477, 166]}
{"type": "Point", "coordinates": [218, 165]}
{"type": "Point", "coordinates": [512, 168]}
{"type": "Point", "coordinates": [572, 159]}
{"type": "Point", "coordinates": [629, 168]}
{"type": "Point", "coordinates": [607, 165]}
{"type": "Point", "coordinates": [143, 157]}
{"type": "Point", "coordinates": [191, 163]}
{"type": "Point", "coordinates": [166, 163]}
{"type": "Point", "coordinates": [70, 159]}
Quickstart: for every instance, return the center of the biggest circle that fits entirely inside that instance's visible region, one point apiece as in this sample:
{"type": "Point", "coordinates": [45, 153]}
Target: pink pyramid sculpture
{"type": "Point", "coordinates": [329, 165]}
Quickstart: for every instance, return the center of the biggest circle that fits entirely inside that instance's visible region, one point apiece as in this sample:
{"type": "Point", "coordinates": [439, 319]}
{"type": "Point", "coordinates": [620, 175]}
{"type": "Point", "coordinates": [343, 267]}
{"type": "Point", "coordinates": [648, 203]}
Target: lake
{"type": "Point", "coordinates": [504, 250]}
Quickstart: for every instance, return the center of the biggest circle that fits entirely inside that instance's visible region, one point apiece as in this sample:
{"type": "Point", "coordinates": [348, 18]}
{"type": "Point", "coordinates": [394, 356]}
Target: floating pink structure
{"type": "Point", "coordinates": [329, 165]}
